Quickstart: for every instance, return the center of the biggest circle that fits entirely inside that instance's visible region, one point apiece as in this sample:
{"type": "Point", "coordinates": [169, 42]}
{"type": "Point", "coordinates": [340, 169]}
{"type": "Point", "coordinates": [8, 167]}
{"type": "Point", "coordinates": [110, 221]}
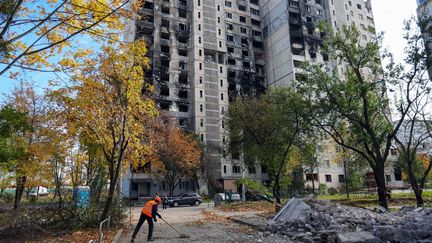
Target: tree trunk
{"type": "Point", "coordinates": [276, 193]}
{"type": "Point", "coordinates": [414, 185]}
{"type": "Point", "coordinates": [381, 186]}
{"type": "Point", "coordinates": [109, 200]}
{"type": "Point", "coordinates": [313, 185]}
{"type": "Point", "coordinates": [114, 175]}
{"type": "Point", "coordinates": [19, 190]}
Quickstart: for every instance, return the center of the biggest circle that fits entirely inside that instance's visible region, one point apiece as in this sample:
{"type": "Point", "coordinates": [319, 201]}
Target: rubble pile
{"type": "Point", "coordinates": [312, 220]}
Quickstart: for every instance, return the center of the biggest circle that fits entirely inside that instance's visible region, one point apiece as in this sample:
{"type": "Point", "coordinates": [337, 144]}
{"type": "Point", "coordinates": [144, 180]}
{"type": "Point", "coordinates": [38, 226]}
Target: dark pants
{"type": "Point", "coordinates": [141, 220]}
{"type": "Point", "coordinates": [164, 204]}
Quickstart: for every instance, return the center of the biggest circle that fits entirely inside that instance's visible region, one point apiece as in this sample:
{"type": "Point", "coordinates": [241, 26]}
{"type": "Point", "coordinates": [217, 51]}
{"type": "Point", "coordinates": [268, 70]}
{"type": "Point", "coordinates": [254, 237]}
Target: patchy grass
{"type": "Point", "coordinates": [371, 199]}
{"type": "Point", "coordinates": [262, 206]}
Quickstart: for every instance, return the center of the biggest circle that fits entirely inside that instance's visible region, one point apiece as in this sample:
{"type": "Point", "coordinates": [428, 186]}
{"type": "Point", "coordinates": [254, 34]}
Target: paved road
{"type": "Point", "coordinates": [190, 221]}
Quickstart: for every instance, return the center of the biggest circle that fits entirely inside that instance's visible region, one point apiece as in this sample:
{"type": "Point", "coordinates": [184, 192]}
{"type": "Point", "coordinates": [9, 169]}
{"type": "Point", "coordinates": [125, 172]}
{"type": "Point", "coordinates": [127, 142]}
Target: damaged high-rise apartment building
{"type": "Point", "coordinates": [204, 53]}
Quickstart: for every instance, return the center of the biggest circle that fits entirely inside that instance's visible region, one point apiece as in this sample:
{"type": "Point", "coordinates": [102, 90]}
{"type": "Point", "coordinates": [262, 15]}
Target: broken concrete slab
{"type": "Point", "coordinates": [294, 210]}
{"type": "Point", "coordinates": [357, 237]}
{"type": "Point", "coordinates": [311, 219]}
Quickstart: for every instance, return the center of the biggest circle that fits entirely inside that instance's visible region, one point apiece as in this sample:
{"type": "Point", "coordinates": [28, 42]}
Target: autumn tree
{"type": "Point", "coordinates": [104, 102]}
{"type": "Point", "coordinates": [178, 152]}
{"type": "Point", "coordinates": [37, 145]}
{"type": "Point", "coordinates": [34, 35]}
{"type": "Point", "coordinates": [357, 98]}
{"type": "Point", "coordinates": [13, 146]}
{"type": "Point", "coordinates": [265, 130]}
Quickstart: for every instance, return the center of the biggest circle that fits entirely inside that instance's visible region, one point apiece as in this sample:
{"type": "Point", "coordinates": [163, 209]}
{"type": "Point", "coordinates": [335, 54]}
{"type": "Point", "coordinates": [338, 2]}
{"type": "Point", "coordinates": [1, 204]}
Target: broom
{"type": "Point", "coordinates": [181, 235]}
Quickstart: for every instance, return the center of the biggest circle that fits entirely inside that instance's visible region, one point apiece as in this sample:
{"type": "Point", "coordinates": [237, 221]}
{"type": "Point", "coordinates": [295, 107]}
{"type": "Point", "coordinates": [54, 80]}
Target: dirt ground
{"type": "Point", "coordinates": [201, 224]}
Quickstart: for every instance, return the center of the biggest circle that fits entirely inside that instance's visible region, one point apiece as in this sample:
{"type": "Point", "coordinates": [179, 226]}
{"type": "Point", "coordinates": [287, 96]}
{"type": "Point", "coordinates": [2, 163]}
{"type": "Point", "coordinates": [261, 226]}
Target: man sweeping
{"type": "Point", "coordinates": [149, 213]}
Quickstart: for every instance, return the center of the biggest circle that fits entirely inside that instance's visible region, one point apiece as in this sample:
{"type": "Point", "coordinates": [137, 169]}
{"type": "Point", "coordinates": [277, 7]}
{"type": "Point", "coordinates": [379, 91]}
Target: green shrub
{"type": "Point", "coordinates": [332, 191]}
{"type": "Point", "coordinates": [8, 197]}
{"type": "Point", "coordinates": [322, 189]}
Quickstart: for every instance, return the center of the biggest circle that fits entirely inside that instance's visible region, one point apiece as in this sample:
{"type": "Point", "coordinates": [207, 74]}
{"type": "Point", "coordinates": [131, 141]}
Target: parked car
{"type": "Point", "coordinates": [255, 196]}
{"type": "Point", "coordinates": [190, 198]}
{"type": "Point", "coordinates": [221, 196]}
{"type": "Point", "coordinates": [38, 191]}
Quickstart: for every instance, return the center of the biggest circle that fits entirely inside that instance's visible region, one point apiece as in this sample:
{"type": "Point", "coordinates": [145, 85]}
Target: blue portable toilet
{"type": "Point", "coordinates": [81, 195]}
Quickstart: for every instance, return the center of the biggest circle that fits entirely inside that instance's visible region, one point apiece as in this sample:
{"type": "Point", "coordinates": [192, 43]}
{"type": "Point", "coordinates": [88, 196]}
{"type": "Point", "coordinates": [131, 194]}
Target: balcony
{"type": "Point", "coordinates": [141, 176]}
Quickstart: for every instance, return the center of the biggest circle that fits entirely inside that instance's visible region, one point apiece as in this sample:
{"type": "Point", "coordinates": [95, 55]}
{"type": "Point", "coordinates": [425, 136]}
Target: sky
{"type": "Point", "coordinates": [388, 14]}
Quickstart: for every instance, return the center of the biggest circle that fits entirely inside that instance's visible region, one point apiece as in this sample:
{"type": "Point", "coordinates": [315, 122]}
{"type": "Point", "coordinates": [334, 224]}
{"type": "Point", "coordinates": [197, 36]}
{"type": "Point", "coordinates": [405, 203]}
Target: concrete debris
{"type": "Point", "coordinates": [312, 220]}
{"type": "Point", "coordinates": [357, 237]}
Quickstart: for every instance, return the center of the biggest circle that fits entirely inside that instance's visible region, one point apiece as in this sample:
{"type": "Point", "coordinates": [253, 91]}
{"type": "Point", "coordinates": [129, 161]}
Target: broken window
{"type": "Point", "coordinates": [341, 178]}
{"type": "Point", "coordinates": [182, 26]}
{"type": "Point", "coordinates": [258, 44]}
{"type": "Point", "coordinates": [229, 15]}
{"type": "Point", "coordinates": [183, 2]}
{"type": "Point", "coordinates": [148, 5]}
{"type": "Point", "coordinates": [328, 178]}
{"type": "Point", "coordinates": [243, 30]}
{"type": "Point", "coordinates": [229, 27]}
{"type": "Point", "coordinates": [293, 15]}
{"type": "Point", "coordinates": [245, 53]}
{"type": "Point", "coordinates": [242, 19]}
{"type": "Point", "coordinates": [230, 50]}
{"type": "Point", "coordinates": [183, 94]}
{"type": "Point", "coordinates": [183, 78]}
{"type": "Point", "coordinates": [254, 2]}
{"type": "Point", "coordinates": [255, 22]}
{"type": "Point", "coordinates": [230, 38]}
{"type": "Point", "coordinates": [254, 11]}
{"type": "Point", "coordinates": [164, 90]}
{"type": "Point", "coordinates": [164, 36]}
{"type": "Point", "coordinates": [293, 4]}
{"type": "Point", "coordinates": [182, 52]}
{"type": "Point", "coordinates": [165, 10]}
{"type": "Point", "coordinates": [164, 62]}
{"type": "Point", "coordinates": [228, 4]}
{"type": "Point", "coordinates": [165, 23]}
{"type": "Point", "coordinates": [182, 39]}
{"type": "Point", "coordinates": [231, 61]}
{"type": "Point", "coordinates": [244, 42]}
{"type": "Point", "coordinates": [182, 13]}
{"type": "Point", "coordinates": [164, 106]}
{"type": "Point", "coordinates": [242, 7]}
{"type": "Point", "coordinates": [183, 107]}
{"type": "Point", "coordinates": [183, 65]}
{"type": "Point", "coordinates": [165, 49]}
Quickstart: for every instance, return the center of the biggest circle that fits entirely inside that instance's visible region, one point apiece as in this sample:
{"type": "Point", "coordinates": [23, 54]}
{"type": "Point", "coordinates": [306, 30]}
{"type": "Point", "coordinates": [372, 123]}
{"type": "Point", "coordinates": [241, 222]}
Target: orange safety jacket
{"type": "Point", "coordinates": [148, 208]}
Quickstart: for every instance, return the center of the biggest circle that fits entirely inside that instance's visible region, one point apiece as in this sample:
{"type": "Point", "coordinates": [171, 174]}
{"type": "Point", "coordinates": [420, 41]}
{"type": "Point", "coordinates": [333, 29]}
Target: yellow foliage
{"type": "Point", "coordinates": [105, 103]}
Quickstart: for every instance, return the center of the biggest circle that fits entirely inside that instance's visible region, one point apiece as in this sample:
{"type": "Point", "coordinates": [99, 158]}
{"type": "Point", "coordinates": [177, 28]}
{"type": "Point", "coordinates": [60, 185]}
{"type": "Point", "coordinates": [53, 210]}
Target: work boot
{"type": "Point", "coordinates": [151, 239]}
{"type": "Point", "coordinates": [132, 240]}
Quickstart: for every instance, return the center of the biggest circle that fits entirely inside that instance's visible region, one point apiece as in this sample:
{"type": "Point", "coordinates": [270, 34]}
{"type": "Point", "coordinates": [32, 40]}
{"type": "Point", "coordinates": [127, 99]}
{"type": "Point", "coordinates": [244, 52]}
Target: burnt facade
{"type": "Point", "coordinates": [205, 53]}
